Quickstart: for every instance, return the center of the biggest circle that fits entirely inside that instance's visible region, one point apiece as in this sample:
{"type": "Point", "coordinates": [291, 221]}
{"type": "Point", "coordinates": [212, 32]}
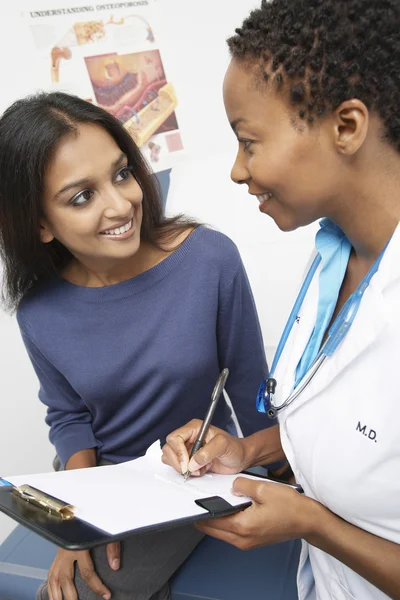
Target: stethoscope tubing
{"type": "Point", "coordinates": [315, 367]}
{"type": "Point", "coordinates": [336, 334]}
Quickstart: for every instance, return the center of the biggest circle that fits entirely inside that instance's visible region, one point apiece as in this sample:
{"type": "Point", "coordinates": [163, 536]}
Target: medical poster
{"type": "Point", "coordinates": [109, 54]}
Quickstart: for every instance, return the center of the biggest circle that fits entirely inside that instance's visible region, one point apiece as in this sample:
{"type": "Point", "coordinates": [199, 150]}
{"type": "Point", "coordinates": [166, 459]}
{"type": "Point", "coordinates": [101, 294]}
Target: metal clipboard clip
{"type": "Point", "coordinates": [52, 505]}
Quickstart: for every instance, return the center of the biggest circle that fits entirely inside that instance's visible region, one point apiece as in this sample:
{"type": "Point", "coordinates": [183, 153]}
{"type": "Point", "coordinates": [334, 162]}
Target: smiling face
{"type": "Point", "coordinates": [293, 169]}
{"type": "Point", "coordinates": [92, 203]}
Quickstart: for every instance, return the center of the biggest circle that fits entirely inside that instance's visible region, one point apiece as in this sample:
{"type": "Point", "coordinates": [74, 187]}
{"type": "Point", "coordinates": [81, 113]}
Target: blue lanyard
{"type": "Point", "coordinates": [336, 333]}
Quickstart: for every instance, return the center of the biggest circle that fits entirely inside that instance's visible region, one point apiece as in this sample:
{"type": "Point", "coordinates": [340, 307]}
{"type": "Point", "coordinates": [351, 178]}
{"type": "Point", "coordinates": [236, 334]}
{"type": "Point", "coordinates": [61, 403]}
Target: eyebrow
{"type": "Point", "coordinates": [86, 180]}
{"type": "Point", "coordinates": [234, 124]}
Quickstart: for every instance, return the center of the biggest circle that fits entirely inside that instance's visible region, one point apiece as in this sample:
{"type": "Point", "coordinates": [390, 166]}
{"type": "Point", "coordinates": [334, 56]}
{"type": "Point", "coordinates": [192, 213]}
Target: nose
{"type": "Point", "coordinates": [116, 204]}
{"type": "Point", "coordinates": [239, 172]}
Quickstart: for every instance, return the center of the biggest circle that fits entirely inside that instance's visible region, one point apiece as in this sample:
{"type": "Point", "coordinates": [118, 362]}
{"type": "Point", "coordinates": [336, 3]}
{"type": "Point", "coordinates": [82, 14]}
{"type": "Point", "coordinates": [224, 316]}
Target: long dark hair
{"type": "Point", "coordinates": [30, 130]}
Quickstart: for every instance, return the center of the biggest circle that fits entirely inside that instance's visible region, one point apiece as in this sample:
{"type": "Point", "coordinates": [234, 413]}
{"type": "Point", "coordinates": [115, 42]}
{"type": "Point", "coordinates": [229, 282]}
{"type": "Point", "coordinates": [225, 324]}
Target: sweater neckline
{"type": "Point", "coordinates": [137, 283]}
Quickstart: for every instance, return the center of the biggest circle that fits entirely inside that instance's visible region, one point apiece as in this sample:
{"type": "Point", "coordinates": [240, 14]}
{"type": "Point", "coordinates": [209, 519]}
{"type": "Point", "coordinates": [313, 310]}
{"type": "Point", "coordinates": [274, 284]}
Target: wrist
{"type": "Point", "coordinates": [82, 459]}
{"type": "Point", "coordinates": [313, 515]}
{"type": "Point", "coordinates": [263, 447]}
{"type": "Point", "coordinates": [251, 451]}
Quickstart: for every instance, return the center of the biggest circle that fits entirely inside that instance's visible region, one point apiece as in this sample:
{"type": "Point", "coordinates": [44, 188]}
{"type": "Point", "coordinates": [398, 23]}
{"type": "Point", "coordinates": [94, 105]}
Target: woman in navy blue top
{"type": "Point", "coordinates": [127, 316]}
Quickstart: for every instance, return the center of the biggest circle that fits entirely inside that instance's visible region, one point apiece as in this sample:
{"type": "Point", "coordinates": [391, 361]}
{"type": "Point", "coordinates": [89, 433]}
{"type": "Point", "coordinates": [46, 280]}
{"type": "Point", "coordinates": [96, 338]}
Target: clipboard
{"type": "Point", "coordinates": [106, 504]}
{"type": "Point", "coordinates": [75, 534]}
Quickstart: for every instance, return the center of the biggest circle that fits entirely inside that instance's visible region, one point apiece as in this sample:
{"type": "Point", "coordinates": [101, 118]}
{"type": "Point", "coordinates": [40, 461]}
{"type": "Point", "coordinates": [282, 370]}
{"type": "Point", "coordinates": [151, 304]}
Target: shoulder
{"type": "Point", "coordinates": [216, 245]}
{"type": "Point", "coordinates": [213, 257]}
{"type": "Point", "coordinates": [37, 305]}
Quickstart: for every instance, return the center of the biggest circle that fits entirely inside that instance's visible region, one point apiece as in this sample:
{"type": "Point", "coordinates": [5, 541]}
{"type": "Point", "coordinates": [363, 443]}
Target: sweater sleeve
{"type": "Point", "coordinates": [68, 417]}
{"type": "Point", "coordinates": [241, 349]}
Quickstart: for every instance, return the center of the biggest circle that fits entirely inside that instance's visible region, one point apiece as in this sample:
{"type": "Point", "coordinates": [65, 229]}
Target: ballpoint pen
{"type": "Point", "coordinates": [215, 396]}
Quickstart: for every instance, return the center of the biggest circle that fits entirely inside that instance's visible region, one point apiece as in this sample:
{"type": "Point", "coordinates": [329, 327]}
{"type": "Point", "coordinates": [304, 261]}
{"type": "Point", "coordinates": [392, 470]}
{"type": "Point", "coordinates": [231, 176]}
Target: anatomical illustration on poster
{"type": "Point", "coordinates": [109, 54]}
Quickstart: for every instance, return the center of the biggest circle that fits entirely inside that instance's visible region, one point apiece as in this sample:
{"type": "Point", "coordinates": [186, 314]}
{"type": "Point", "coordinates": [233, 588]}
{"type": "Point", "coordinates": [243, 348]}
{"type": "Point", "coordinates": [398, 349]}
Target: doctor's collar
{"type": "Point", "coordinates": [330, 234]}
{"type": "Point", "coordinates": [330, 225]}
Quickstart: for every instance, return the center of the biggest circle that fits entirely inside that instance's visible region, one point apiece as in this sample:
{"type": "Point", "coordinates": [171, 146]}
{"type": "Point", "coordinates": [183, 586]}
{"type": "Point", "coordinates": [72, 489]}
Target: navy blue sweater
{"type": "Point", "coordinates": [124, 365]}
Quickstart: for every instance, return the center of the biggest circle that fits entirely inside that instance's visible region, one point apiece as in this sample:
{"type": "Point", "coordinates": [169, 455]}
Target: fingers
{"type": "Point", "coordinates": [262, 492]}
{"type": "Point", "coordinates": [61, 585]}
{"type": "Point", "coordinates": [215, 448]}
{"type": "Point", "coordinates": [175, 451]}
{"type": "Point", "coordinates": [249, 487]}
{"type": "Point", "coordinates": [64, 589]}
{"type": "Point", "coordinates": [90, 576]}
{"type": "Point", "coordinates": [277, 514]}
{"type": "Point", "coordinates": [228, 529]}
{"type": "Point", "coordinates": [61, 579]}
{"type": "Point", "coordinates": [114, 555]}
{"type": "Point", "coordinates": [220, 534]}
{"type": "Point", "coordinates": [176, 457]}
{"type": "Point", "coordinates": [221, 452]}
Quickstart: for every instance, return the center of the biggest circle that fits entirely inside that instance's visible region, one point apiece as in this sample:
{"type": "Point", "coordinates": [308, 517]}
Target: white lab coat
{"type": "Point", "coordinates": [342, 435]}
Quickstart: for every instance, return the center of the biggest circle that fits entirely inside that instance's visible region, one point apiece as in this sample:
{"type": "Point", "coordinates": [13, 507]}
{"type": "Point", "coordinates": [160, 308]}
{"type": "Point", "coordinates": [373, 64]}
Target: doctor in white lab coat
{"type": "Point", "coordinates": [312, 94]}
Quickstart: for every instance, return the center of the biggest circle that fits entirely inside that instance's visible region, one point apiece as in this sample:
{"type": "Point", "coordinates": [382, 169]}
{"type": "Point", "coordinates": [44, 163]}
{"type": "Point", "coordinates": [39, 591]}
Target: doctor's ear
{"type": "Point", "coordinates": [45, 234]}
{"type": "Point", "coordinates": [351, 121]}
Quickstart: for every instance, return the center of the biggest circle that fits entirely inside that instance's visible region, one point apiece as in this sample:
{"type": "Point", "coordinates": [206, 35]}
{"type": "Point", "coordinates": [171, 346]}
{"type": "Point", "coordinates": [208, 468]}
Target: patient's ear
{"type": "Point", "coordinates": [45, 234]}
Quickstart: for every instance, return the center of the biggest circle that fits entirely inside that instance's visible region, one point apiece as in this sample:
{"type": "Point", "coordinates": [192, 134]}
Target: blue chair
{"type": "Point", "coordinates": [24, 561]}
{"type": "Point", "coordinates": [219, 571]}
{"type": "Point", "coordinates": [214, 571]}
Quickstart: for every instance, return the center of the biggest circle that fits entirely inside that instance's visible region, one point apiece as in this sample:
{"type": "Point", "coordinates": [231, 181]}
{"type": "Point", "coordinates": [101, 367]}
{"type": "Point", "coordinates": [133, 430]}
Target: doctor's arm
{"type": "Point", "coordinates": [372, 557]}
{"type": "Point", "coordinates": [279, 513]}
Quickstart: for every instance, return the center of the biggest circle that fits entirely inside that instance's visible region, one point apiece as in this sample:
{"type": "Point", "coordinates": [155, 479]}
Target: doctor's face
{"type": "Point", "coordinates": [290, 167]}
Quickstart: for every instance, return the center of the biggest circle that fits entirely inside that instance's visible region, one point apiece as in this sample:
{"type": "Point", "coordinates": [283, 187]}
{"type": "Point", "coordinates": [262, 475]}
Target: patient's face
{"type": "Point", "coordinates": [92, 203]}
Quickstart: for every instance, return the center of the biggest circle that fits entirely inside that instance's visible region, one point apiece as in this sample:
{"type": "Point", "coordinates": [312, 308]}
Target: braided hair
{"type": "Point", "coordinates": [323, 52]}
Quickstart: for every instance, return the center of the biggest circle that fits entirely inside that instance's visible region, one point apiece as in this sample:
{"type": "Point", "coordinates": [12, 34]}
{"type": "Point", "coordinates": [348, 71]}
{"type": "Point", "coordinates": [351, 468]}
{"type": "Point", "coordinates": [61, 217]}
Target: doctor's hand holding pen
{"type": "Point", "coordinates": [222, 453]}
{"type": "Point", "coordinates": [278, 512]}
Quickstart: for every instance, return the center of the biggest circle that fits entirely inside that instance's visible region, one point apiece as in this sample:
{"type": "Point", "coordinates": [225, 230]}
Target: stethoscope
{"type": "Point", "coordinates": [336, 334]}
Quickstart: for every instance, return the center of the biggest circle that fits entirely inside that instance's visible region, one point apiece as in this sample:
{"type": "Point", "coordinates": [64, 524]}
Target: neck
{"type": "Point", "coordinates": [88, 273]}
{"type": "Point", "coordinates": [369, 215]}
{"type": "Point", "coordinates": [369, 238]}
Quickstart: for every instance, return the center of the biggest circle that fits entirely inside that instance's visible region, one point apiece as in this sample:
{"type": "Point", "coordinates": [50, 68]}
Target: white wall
{"type": "Point", "coordinates": [202, 185]}
{"type": "Point", "coordinates": [195, 57]}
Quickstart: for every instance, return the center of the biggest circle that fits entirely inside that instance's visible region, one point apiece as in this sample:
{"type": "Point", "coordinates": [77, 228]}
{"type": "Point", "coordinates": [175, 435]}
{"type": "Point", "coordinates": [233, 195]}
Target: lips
{"type": "Point", "coordinates": [118, 230]}
{"type": "Point", "coordinates": [264, 197]}
{"type": "Point", "coordinates": [264, 200]}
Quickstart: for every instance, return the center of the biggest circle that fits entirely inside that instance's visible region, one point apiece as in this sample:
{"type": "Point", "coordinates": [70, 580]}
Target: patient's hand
{"type": "Point", "coordinates": [61, 575]}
